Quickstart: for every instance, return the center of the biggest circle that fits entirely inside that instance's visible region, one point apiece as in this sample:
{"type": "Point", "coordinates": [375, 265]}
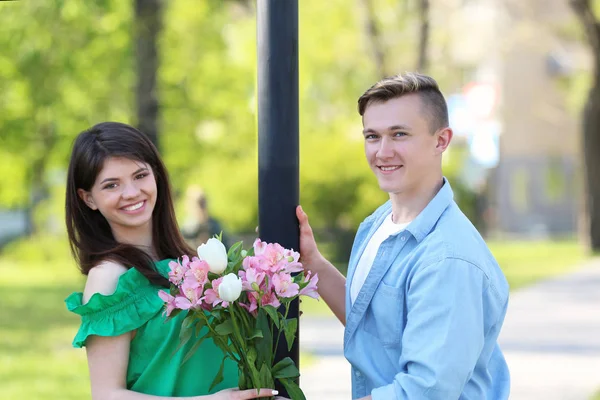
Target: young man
{"type": "Point", "coordinates": [424, 300]}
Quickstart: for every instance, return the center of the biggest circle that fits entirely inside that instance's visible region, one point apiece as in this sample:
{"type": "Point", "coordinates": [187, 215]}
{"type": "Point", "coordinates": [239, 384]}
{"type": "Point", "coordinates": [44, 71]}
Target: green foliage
{"type": "Point", "coordinates": [73, 67]}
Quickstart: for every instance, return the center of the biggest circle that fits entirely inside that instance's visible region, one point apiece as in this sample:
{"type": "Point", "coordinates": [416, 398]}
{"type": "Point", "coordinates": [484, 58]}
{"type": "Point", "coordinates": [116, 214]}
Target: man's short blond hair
{"type": "Point", "coordinates": [434, 104]}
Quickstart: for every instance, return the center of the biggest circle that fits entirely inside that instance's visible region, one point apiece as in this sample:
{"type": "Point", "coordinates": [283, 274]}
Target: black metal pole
{"type": "Point", "coordinates": [278, 169]}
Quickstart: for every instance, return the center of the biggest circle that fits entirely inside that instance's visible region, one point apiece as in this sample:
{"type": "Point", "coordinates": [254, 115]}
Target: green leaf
{"type": "Point", "coordinates": [185, 333]}
{"type": "Point", "coordinates": [290, 326]}
{"type": "Point", "coordinates": [293, 389]}
{"type": "Point", "coordinates": [225, 328]}
{"type": "Point", "coordinates": [285, 369]}
{"type": "Point", "coordinates": [193, 349]}
{"type": "Point", "coordinates": [233, 253]}
{"type": "Point", "coordinates": [219, 377]}
{"type": "Point", "coordinates": [264, 346]}
{"type": "Point", "coordinates": [272, 311]}
{"type": "Point", "coordinates": [199, 325]}
{"type": "Point", "coordinates": [217, 313]}
{"type": "Point", "coordinates": [256, 334]}
{"type": "Point", "coordinates": [266, 377]}
{"type": "Point", "coordinates": [251, 355]}
{"type": "Point", "coordinates": [242, 379]}
{"type": "Point", "coordinates": [174, 313]}
{"type": "Point", "coordinates": [188, 321]}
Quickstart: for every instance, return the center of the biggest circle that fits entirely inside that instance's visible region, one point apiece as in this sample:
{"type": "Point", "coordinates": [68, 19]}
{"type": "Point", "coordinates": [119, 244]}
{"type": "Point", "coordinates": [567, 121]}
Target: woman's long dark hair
{"type": "Point", "coordinates": [90, 236]}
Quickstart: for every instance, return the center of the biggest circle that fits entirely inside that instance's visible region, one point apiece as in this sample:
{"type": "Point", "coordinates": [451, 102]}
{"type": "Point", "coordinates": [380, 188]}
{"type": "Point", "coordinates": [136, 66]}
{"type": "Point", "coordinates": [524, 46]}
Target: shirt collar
{"type": "Point", "coordinates": [426, 220]}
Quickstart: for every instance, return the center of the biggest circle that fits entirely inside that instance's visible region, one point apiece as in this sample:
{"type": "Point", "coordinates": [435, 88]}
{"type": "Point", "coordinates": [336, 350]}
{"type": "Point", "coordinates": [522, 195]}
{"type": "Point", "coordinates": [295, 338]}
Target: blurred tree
{"type": "Point", "coordinates": [53, 80]}
{"type": "Point", "coordinates": [374, 36]}
{"type": "Point", "coordinates": [585, 10]}
{"type": "Point", "coordinates": [423, 47]}
{"type": "Point", "coordinates": [76, 66]}
{"type": "Point", "coordinates": [148, 24]}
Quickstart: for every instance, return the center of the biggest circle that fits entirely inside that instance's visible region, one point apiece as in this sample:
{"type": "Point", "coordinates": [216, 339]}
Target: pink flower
{"type": "Point", "coordinates": [270, 299]}
{"type": "Point", "coordinates": [178, 270]}
{"type": "Point", "coordinates": [295, 256]}
{"type": "Point", "coordinates": [190, 296]}
{"type": "Point", "coordinates": [258, 262]}
{"type": "Point", "coordinates": [253, 306]}
{"type": "Point", "coordinates": [310, 290]}
{"type": "Point", "coordinates": [169, 300]}
{"type": "Point", "coordinates": [251, 262]}
{"type": "Point", "coordinates": [198, 271]}
{"type": "Point", "coordinates": [250, 276]}
{"type": "Point", "coordinates": [284, 286]}
{"type": "Point", "coordinates": [211, 296]}
{"type": "Point", "coordinates": [259, 247]}
{"type": "Point", "coordinates": [292, 267]}
{"type": "Point", "coordinates": [274, 253]}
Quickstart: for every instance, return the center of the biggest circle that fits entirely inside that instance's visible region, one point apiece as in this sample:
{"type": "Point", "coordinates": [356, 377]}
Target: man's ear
{"type": "Point", "coordinates": [443, 137]}
{"type": "Point", "coordinates": [87, 198]}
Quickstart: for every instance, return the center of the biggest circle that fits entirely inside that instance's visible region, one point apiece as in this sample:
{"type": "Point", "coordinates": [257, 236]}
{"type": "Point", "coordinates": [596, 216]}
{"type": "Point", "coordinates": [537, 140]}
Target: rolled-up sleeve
{"type": "Point", "coordinates": [444, 332]}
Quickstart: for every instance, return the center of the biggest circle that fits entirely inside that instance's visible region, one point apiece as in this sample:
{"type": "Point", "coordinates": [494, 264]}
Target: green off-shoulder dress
{"type": "Point", "coordinates": [153, 368]}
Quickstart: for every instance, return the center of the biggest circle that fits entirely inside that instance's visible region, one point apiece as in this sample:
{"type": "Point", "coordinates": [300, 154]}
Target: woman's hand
{"type": "Point", "coordinates": [236, 394]}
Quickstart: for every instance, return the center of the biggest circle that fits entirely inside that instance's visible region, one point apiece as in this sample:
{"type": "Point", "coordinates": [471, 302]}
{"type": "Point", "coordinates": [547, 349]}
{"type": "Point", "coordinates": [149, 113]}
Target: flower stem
{"type": "Point", "coordinates": [216, 335]}
{"type": "Point", "coordinates": [287, 309]}
{"type": "Point", "coordinates": [242, 343]}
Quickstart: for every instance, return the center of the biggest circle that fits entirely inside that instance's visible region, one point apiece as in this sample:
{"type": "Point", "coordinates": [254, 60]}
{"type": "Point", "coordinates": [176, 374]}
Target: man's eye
{"type": "Point", "coordinates": [400, 134]}
{"type": "Point", "coordinates": [371, 136]}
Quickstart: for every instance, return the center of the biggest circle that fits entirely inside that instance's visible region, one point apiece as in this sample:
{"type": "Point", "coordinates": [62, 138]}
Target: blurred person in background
{"type": "Point", "coordinates": [200, 225]}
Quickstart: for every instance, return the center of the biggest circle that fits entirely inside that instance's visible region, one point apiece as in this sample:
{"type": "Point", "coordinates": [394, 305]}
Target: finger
{"type": "Point", "coordinates": [300, 214]}
{"type": "Point", "coordinates": [303, 219]}
{"type": "Point", "coordinates": [253, 393]}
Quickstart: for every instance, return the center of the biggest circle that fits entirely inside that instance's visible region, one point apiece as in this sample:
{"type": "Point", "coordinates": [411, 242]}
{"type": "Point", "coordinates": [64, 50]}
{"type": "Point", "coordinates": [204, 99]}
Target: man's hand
{"type": "Point", "coordinates": [310, 256]}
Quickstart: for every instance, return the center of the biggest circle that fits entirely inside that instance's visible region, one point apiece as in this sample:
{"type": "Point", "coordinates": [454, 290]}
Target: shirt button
{"type": "Point", "coordinates": [403, 238]}
{"type": "Point", "coordinates": [357, 373]}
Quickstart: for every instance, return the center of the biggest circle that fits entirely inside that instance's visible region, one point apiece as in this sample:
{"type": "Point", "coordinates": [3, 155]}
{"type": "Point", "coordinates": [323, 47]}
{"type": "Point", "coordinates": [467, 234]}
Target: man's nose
{"type": "Point", "coordinates": [385, 148]}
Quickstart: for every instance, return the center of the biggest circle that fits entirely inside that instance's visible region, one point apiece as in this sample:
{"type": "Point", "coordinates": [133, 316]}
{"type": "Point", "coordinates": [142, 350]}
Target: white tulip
{"type": "Point", "coordinates": [215, 255]}
{"type": "Point", "coordinates": [230, 288]}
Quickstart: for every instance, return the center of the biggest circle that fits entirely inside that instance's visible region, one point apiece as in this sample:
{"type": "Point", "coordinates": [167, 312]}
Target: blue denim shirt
{"type": "Point", "coordinates": [426, 321]}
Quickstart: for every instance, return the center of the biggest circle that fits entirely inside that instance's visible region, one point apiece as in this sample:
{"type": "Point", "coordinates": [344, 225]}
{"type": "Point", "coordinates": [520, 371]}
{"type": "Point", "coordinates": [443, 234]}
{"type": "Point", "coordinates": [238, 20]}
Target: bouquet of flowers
{"type": "Point", "coordinates": [237, 295]}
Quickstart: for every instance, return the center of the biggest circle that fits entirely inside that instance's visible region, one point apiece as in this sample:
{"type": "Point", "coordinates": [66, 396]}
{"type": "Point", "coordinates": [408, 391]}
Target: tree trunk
{"type": "Point", "coordinates": [37, 170]}
{"type": "Point", "coordinates": [423, 35]}
{"type": "Point", "coordinates": [374, 38]}
{"type": "Point", "coordinates": [148, 23]}
{"type": "Point", "coordinates": [591, 123]}
{"type": "Point", "coordinates": [591, 149]}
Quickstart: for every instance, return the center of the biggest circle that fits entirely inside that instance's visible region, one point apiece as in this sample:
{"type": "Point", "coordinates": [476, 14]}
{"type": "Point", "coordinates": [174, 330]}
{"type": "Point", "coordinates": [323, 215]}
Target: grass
{"type": "Point", "coordinates": [596, 396]}
{"type": "Point", "coordinates": [523, 263]}
{"type": "Point", "coordinates": [36, 357]}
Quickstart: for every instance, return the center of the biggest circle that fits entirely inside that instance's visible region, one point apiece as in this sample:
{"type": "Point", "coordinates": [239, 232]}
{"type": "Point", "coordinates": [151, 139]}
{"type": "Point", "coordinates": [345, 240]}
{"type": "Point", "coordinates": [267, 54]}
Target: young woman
{"type": "Point", "coordinates": [123, 233]}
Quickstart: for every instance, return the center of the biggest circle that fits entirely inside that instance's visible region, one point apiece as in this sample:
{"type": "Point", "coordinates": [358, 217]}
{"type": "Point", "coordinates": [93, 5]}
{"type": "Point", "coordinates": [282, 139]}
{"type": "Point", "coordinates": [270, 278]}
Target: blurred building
{"type": "Point", "coordinates": [513, 112]}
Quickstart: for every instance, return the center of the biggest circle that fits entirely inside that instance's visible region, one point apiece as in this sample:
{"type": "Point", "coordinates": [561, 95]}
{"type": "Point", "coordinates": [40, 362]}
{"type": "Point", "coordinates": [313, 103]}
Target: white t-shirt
{"type": "Point", "coordinates": [387, 228]}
